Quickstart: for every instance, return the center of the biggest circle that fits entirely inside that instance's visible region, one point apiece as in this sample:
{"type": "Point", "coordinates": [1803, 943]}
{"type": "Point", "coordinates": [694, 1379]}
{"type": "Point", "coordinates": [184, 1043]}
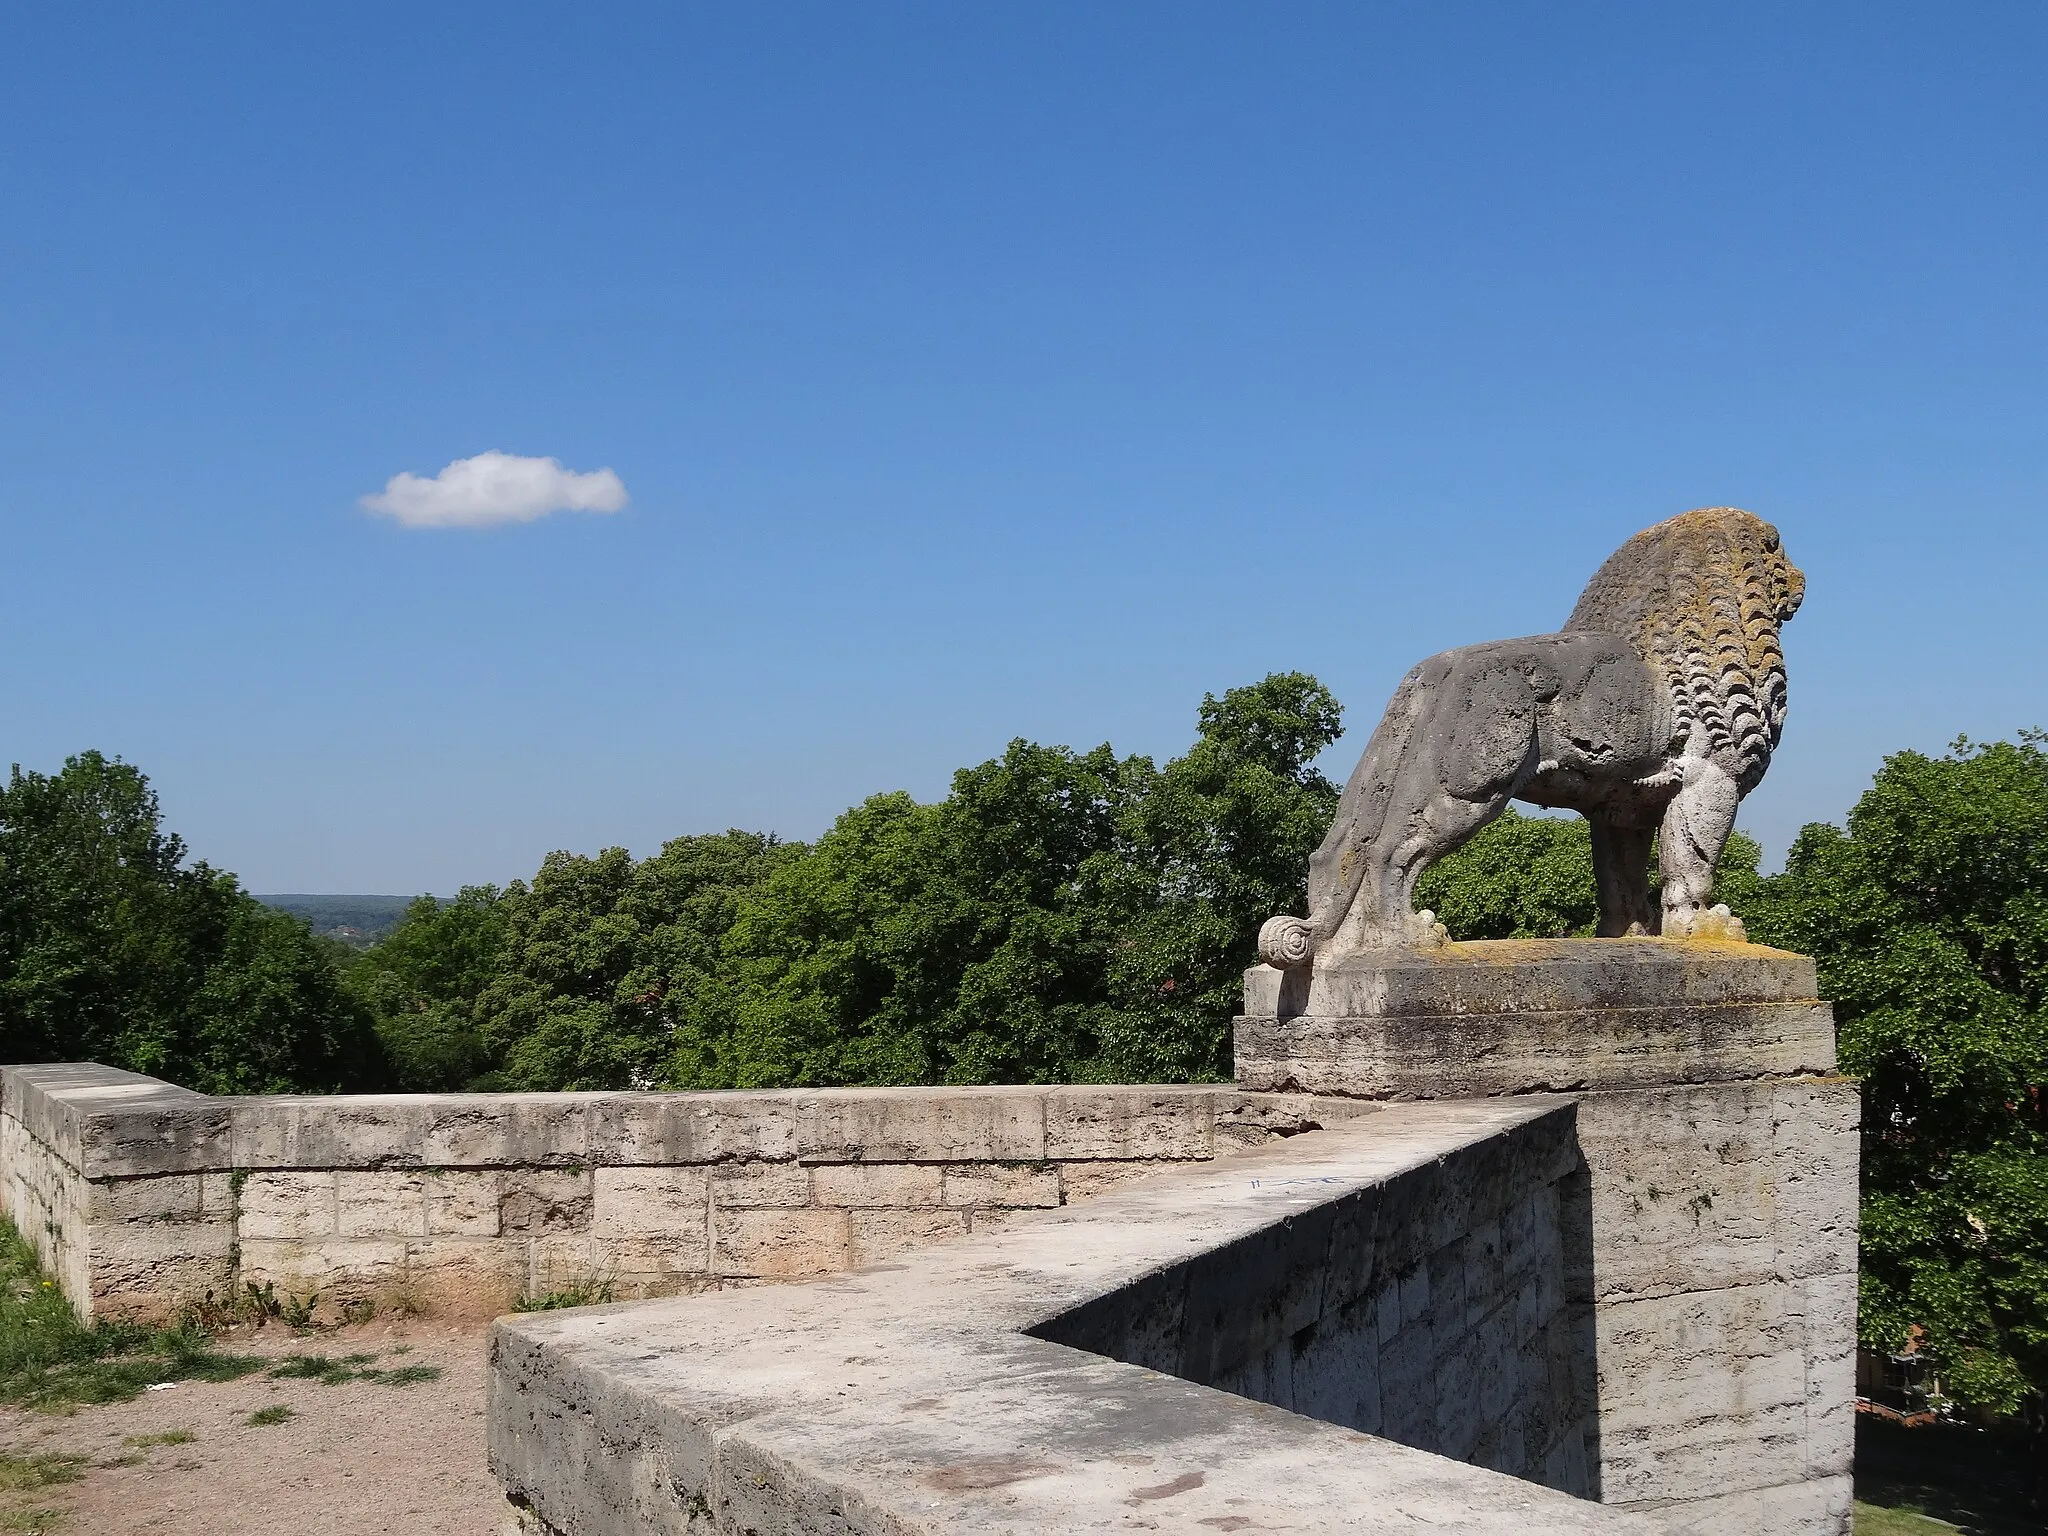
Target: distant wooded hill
{"type": "Point", "coordinates": [357, 920]}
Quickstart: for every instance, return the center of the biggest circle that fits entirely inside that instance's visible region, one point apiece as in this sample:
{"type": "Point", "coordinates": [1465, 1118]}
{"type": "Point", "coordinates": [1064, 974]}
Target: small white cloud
{"type": "Point", "coordinates": [495, 488]}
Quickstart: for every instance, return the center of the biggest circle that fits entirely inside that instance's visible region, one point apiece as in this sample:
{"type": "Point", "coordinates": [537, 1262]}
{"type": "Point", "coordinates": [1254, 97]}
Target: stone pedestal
{"type": "Point", "coordinates": [1713, 1238]}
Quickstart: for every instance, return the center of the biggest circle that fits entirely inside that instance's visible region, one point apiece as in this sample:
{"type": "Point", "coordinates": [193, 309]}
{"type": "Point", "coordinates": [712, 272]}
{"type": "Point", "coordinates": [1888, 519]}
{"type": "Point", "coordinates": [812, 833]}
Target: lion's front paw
{"type": "Point", "coordinates": [1712, 923]}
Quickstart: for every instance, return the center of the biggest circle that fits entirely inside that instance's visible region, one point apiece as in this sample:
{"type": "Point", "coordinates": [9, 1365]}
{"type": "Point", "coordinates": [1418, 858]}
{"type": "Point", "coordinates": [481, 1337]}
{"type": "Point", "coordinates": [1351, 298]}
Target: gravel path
{"type": "Point", "coordinates": [353, 1459]}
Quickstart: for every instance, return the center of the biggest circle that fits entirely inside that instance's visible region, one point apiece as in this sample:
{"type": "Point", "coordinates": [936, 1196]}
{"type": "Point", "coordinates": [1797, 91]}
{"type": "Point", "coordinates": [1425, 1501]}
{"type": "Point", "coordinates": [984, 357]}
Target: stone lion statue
{"type": "Point", "coordinates": [1653, 711]}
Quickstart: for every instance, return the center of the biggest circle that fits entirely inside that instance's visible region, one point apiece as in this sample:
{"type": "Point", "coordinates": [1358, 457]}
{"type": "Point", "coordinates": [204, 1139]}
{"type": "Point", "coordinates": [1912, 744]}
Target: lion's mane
{"type": "Point", "coordinates": [1701, 597]}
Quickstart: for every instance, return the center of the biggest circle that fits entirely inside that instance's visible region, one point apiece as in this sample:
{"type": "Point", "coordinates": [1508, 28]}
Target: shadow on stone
{"type": "Point", "coordinates": [1437, 1310]}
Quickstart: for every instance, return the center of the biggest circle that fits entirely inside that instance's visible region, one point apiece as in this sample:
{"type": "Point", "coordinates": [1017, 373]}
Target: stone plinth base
{"type": "Point", "coordinates": [1712, 1240]}
{"type": "Point", "coordinates": [1533, 1015]}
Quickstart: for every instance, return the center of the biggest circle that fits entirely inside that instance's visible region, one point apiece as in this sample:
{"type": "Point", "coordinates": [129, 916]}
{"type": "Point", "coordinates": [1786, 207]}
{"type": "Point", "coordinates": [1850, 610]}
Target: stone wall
{"type": "Point", "coordinates": [143, 1197]}
{"type": "Point", "coordinates": [118, 1181]}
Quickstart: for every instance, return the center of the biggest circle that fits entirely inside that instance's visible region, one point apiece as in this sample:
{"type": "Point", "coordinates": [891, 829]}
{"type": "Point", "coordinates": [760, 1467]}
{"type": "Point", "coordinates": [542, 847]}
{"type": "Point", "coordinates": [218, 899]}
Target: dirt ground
{"type": "Point", "coordinates": [353, 1459]}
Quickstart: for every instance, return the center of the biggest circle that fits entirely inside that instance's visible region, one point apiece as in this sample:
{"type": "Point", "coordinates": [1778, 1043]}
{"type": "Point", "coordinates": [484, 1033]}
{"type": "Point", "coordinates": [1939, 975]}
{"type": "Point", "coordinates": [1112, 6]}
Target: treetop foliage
{"type": "Point", "coordinates": [1059, 916]}
{"type": "Point", "coordinates": [1928, 918]}
{"type": "Point", "coordinates": [112, 949]}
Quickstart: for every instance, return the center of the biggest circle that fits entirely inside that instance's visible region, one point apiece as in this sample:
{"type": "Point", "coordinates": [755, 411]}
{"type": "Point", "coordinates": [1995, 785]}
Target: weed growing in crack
{"type": "Point", "coordinates": [586, 1291]}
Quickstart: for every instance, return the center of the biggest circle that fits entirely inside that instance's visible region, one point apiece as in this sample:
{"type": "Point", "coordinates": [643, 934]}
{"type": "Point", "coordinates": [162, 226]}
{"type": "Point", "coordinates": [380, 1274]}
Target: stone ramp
{"type": "Point", "coordinates": [1401, 1274]}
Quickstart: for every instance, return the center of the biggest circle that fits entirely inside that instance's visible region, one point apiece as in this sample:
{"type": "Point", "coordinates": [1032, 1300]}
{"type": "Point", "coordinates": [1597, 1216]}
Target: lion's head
{"type": "Point", "coordinates": [1701, 596]}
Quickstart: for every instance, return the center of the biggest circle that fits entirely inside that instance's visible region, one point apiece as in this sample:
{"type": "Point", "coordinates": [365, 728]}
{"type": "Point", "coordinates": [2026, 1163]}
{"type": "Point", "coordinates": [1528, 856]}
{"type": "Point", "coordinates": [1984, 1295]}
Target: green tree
{"type": "Point", "coordinates": [1060, 916]}
{"type": "Point", "coordinates": [605, 963]}
{"type": "Point", "coordinates": [1928, 917]}
{"type": "Point", "coordinates": [422, 982]}
{"type": "Point", "coordinates": [1520, 877]}
{"type": "Point", "coordinates": [113, 949]}
{"type": "Point", "coordinates": [960, 942]}
{"type": "Point", "coordinates": [1218, 843]}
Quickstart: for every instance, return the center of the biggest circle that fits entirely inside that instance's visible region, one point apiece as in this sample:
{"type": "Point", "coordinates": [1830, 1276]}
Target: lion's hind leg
{"type": "Point", "coordinates": [1621, 874]}
{"type": "Point", "coordinates": [1457, 742]}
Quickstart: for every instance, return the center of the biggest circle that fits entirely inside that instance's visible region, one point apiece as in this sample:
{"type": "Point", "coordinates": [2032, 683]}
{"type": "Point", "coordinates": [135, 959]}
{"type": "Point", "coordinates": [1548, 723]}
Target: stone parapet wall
{"type": "Point", "coordinates": [143, 1197]}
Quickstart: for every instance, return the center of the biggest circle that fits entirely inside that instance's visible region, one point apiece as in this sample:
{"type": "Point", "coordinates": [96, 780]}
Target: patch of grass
{"type": "Point", "coordinates": [1934, 1478]}
{"type": "Point", "coordinates": [166, 1437]}
{"type": "Point", "coordinates": [332, 1373]}
{"type": "Point", "coordinates": [590, 1291]}
{"type": "Point", "coordinates": [405, 1375]}
{"type": "Point", "coordinates": [276, 1413]}
{"type": "Point", "coordinates": [1873, 1520]}
{"type": "Point", "coordinates": [51, 1361]}
{"type": "Point", "coordinates": [25, 1474]}
{"type": "Point", "coordinates": [20, 1472]}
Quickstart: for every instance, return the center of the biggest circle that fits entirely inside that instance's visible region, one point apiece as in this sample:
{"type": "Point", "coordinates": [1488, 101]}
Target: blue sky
{"type": "Point", "coordinates": [973, 372]}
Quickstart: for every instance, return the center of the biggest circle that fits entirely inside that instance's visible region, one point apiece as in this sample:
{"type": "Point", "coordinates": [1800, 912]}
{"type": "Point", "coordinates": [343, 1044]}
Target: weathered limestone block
{"type": "Point", "coordinates": [461, 1202]}
{"type": "Point", "coordinates": [335, 1266]}
{"type": "Point", "coordinates": [465, 1276]}
{"type": "Point", "coordinates": [750, 1184]}
{"type": "Point", "coordinates": [1687, 1189]}
{"type": "Point", "coordinates": [408, 1130]}
{"type": "Point", "coordinates": [533, 1201]}
{"type": "Point", "coordinates": [665, 1129]}
{"type": "Point", "coordinates": [876, 1235]}
{"type": "Point", "coordinates": [122, 1124]}
{"type": "Point", "coordinates": [1113, 1123]}
{"type": "Point", "coordinates": [1085, 1180]}
{"type": "Point", "coordinates": [184, 1259]}
{"type": "Point", "coordinates": [1522, 1016]}
{"type": "Point", "coordinates": [287, 1206]}
{"type": "Point", "coordinates": [1000, 1184]}
{"type": "Point", "coordinates": [649, 1202]}
{"type": "Point", "coordinates": [653, 1266]}
{"type": "Point", "coordinates": [1820, 1504]}
{"type": "Point", "coordinates": [380, 1204]}
{"type": "Point", "coordinates": [1816, 1141]}
{"type": "Point", "coordinates": [1701, 1392]}
{"type": "Point", "coordinates": [877, 1184]}
{"type": "Point", "coordinates": [779, 1244]}
{"type": "Point", "coordinates": [166, 1197]}
{"type": "Point", "coordinates": [904, 1125]}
